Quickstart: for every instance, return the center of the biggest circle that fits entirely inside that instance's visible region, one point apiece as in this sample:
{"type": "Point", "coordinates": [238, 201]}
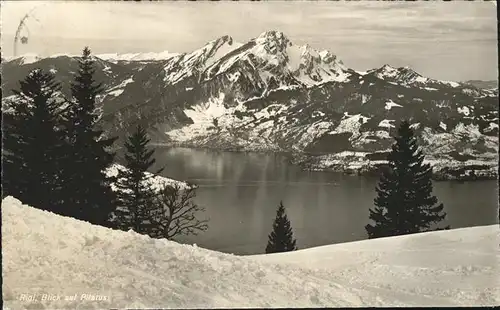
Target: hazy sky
{"type": "Point", "coordinates": [445, 40]}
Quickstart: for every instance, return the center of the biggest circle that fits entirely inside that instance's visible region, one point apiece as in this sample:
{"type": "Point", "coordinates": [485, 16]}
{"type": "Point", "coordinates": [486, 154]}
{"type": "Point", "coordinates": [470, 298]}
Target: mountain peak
{"type": "Point", "coordinates": [307, 47]}
{"type": "Point", "coordinates": [387, 67]}
{"type": "Point", "coordinates": [217, 43]}
{"type": "Point", "coordinates": [407, 69]}
{"type": "Point", "coordinates": [271, 34]}
{"type": "Point", "coordinates": [272, 37]}
{"type": "Point", "coordinates": [225, 39]}
{"type": "Point", "coordinates": [328, 57]}
{"type": "Point", "coordinates": [392, 71]}
{"type": "Point", "coordinates": [403, 75]}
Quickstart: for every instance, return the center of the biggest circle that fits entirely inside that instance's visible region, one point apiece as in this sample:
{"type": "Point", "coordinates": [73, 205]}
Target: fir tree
{"type": "Point", "coordinates": [404, 204]}
{"type": "Point", "coordinates": [136, 198]}
{"type": "Point", "coordinates": [89, 188]}
{"type": "Point", "coordinates": [281, 238]}
{"type": "Point", "coordinates": [34, 145]}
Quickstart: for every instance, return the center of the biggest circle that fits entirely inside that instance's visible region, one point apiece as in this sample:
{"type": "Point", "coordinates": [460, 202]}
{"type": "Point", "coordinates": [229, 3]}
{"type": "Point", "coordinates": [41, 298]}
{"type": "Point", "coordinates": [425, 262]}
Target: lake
{"type": "Point", "coordinates": [241, 192]}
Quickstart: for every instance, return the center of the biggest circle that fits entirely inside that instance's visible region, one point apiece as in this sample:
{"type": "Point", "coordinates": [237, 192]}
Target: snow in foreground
{"type": "Point", "coordinates": [79, 265]}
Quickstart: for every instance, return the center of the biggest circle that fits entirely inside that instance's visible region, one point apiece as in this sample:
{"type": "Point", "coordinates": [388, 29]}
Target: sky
{"type": "Point", "coordinates": [445, 40]}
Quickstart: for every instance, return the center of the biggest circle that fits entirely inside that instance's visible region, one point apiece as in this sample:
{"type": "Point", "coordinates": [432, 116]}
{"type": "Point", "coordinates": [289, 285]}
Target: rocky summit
{"type": "Point", "coordinates": [269, 94]}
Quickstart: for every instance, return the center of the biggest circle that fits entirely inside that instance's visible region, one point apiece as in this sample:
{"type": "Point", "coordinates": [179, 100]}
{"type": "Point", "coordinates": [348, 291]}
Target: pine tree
{"type": "Point", "coordinates": [89, 188]}
{"type": "Point", "coordinates": [281, 238]}
{"type": "Point", "coordinates": [34, 145]}
{"type": "Point", "coordinates": [136, 198]}
{"type": "Point", "coordinates": [404, 204]}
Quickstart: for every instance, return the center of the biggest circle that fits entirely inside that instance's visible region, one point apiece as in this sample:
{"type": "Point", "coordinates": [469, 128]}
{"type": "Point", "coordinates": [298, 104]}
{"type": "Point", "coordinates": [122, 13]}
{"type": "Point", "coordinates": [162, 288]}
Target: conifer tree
{"type": "Point", "coordinates": [281, 238]}
{"type": "Point", "coordinates": [89, 188]}
{"type": "Point", "coordinates": [34, 145]}
{"type": "Point", "coordinates": [404, 202]}
{"type": "Point", "coordinates": [136, 198]}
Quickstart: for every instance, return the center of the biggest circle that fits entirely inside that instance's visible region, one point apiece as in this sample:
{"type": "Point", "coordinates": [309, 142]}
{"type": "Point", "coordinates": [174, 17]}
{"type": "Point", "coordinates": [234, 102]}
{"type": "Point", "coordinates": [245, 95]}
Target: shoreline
{"type": "Point", "coordinates": [448, 170]}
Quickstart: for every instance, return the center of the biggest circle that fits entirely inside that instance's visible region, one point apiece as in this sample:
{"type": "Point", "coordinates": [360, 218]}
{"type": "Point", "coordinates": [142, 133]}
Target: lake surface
{"type": "Point", "coordinates": [241, 192]}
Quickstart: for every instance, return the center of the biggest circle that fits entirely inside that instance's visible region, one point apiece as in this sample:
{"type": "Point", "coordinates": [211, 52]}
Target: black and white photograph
{"type": "Point", "coordinates": [249, 154]}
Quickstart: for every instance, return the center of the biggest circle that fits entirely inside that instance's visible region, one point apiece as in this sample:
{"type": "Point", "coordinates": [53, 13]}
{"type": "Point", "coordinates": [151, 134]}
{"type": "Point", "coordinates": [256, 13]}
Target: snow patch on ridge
{"type": "Point", "coordinates": [492, 126]}
{"type": "Point", "coordinates": [415, 126]}
{"type": "Point", "coordinates": [205, 116]}
{"type": "Point", "coordinates": [390, 104]}
{"type": "Point", "coordinates": [386, 123]}
{"type": "Point", "coordinates": [470, 131]}
{"type": "Point", "coordinates": [350, 123]}
{"type": "Point", "coordinates": [313, 131]}
{"type": "Point", "coordinates": [207, 112]}
{"type": "Point", "coordinates": [118, 89]}
{"type": "Point", "coordinates": [450, 83]}
{"type": "Point", "coordinates": [464, 110]}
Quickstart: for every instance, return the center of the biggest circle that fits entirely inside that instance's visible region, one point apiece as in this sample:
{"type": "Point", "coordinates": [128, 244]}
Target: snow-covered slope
{"type": "Point", "coordinates": [157, 182]}
{"type": "Point", "coordinates": [78, 265]}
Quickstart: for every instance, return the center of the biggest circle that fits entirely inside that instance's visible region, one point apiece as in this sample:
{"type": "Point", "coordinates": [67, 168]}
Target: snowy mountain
{"type": "Point", "coordinates": [269, 94]}
{"type": "Point", "coordinates": [82, 266]}
{"type": "Point", "coordinates": [407, 76]}
{"type": "Point", "coordinates": [111, 57]}
{"type": "Point", "coordinates": [483, 84]}
{"type": "Point", "coordinates": [140, 57]}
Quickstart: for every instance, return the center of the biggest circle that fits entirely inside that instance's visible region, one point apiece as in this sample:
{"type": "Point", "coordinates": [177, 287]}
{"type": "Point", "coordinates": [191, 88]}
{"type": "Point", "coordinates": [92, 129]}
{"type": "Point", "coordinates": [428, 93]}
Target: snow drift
{"type": "Point", "coordinates": [54, 262]}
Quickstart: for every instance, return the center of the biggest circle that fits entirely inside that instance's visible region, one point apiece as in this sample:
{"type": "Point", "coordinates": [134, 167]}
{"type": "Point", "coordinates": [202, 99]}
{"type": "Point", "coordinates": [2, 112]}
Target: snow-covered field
{"type": "Point", "coordinates": [54, 262]}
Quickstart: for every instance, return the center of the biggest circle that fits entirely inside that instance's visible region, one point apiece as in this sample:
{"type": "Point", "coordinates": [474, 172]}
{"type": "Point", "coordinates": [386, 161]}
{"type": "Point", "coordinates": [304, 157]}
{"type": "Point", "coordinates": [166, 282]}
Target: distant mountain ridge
{"type": "Point", "coordinates": [269, 94]}
{"type": "Point", "coordinates": [483, 84]}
